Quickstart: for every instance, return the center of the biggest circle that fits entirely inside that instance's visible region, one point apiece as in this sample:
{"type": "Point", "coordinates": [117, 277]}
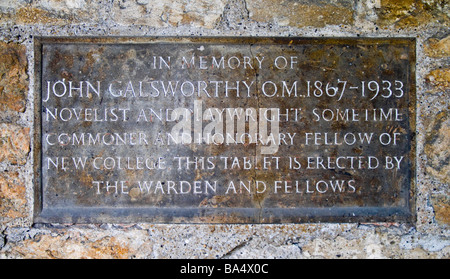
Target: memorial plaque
{"type": "Point", "coordinates": [224, 130]}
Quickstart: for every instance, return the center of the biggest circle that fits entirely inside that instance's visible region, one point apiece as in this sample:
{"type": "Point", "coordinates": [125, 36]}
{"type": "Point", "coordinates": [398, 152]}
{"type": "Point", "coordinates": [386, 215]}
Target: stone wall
{"type": "Point", "coordinates": [426, 20]}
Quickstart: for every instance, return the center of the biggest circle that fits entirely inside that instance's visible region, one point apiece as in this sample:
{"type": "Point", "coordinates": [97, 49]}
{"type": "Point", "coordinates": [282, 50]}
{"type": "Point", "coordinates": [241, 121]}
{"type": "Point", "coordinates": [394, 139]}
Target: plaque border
{"type": "Point", "coordinates": [195, 215]}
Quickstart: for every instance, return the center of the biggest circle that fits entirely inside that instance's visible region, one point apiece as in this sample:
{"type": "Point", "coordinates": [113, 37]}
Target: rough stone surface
{"type": "Point", "coordinates": [14, 78]}
{"type": "Point", "coordinates": [12, 196]}
{"type": "Point", "coordinates": [51, 12]}
{"type": "Point", "coordinates": [302, 13]}
{"type": "Point", "coordinates": [14, 143]}
{"type": "Point", "coordinates": [412, 13]}
{"type": "Point", "coordinates": [440, 79]}
{"type": "Point", "coordinates": [426, 20]}
{"type": "Point", "coordinates": [438, 47]}
{"type": "Point", "coordinates": [441, 205]}
{"type": "Point", "coordinates": [198, 13]}
{"type": "Point", "coordinates": [436, 148]}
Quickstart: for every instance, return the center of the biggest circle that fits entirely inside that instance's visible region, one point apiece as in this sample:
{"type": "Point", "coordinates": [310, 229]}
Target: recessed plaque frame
{"type": "Point", "coordinates": [342, 148]}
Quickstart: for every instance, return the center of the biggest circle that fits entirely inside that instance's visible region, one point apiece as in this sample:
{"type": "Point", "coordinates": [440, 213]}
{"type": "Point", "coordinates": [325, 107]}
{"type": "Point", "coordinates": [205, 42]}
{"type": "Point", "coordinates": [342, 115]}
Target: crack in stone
{"type": "Point", "coordinates": [237, 247]}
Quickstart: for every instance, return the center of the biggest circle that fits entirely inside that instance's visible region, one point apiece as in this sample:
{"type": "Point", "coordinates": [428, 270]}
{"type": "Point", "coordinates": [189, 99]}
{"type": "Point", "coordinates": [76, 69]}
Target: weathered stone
{"type": "Point", "coordinates": [412, 13]}
{"type": "Point", "coordinates": [235, 15]}
{"type": "Point", "coordinates": [440, 79]}
{"type": "Point", "coordinates": [12, 196]}
{"type": "Point", "coordinates": [14, 78]}
{"type": "Point", "coordinates": [198, 13]}
{"type": "Point", "coordinates": [438, 48]}
{"type": "Point", "coordinates": [158, 241]}
{"type": "Point", "coordinates": [80, 246]}
{"type": "Point", "coordinates": [302, 13]}
{"type": "Point", "coordinates": [165, 241]}
{"type": "Point", "coordinates": [14, 143]}
{"type": "Point", "coordinates": [441, 205]}
{"type": "Point", "coordinates": [436, 147]}
{"type": "Point", "coordinates": [51, 12]}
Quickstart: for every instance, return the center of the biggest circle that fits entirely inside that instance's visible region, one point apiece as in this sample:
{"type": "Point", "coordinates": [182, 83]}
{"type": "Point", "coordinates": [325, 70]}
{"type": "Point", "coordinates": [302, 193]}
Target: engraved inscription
{"type": "Point", "coordinates": [235, 130]}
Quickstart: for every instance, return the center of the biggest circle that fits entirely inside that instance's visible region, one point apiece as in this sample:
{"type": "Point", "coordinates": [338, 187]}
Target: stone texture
{"type": "Point", "coordinates": [14, 143]}
{"type": "Point", "coordinates": [50, 12]}
{"type": "Point", "coordinates": [13, 201]}
{"type": "Point", "coordinates": [436, 147]}
{"type": "Point", "coordinates": [439, 79]}
{"type": "Point", "coordinates": [77, 244]}
{"type": "Point", "coordinates": [441, 206]}
{"type": "Point", "coordinates": [438, 48]}
{"type": "Point", "coordinates": [14, 78]}
{"type": "Point", "coordinates": [412, 13]}
{"type": "Point", "coordinates": [325, 241]}
{"type": "Point", "coordinates": [198, 13]}
{"type": "Point", "coordinates": [119, 242]}
{"type": "Point", "coordinates": [302, 13]}
{"type": "Point", "coordinates": [235, 15]}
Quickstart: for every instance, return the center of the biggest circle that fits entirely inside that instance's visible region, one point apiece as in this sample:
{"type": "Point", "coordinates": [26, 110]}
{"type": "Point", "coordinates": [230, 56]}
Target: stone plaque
{"type": "Point", "coordinates": [224, 130]}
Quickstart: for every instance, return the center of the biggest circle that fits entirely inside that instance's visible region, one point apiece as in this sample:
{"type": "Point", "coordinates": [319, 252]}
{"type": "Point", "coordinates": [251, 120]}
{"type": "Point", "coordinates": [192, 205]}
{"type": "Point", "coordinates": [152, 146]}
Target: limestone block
{"type": "Point", "coordinates": [76, 245]}
{"type": "Point", "coordinates": [302, 13]}
{"type": "Point", "coordinates": [50, 12]}
{"type": "Point", "coordinates": [14, 78]}
{"type": "Point", "coordinates": [436, 148]}
{"type": "Point", "coordinates": [441, 205]}
{"type": "Point", "coordinates": [14, 143]}
{"type": "Point", "coordinates": [12, 196]}
{"type": "Point", "coordinates": [198, 13]}
{"type": "Point", "coordinates": [439, 79]}
{"type": "Point", "coordinates": [412, 13]}
{"type": "Point", "coordinates": [438, 48]}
